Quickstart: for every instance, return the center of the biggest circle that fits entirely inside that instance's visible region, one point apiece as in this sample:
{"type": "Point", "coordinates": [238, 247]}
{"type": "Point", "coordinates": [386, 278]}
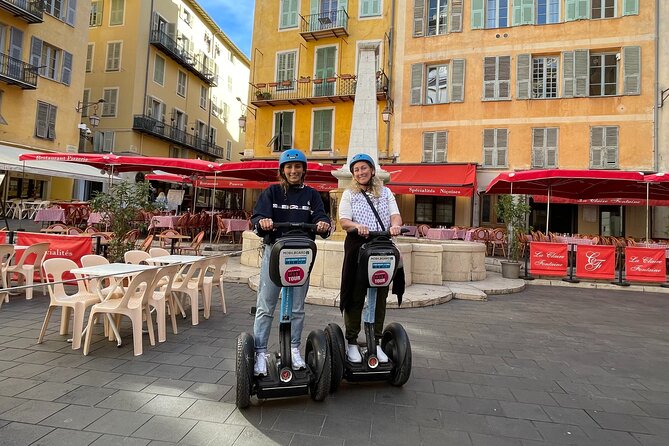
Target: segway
{"type": "Point", "coordinates": [291, 260]}
{"type": "Point", "coordinates": [377, 264]}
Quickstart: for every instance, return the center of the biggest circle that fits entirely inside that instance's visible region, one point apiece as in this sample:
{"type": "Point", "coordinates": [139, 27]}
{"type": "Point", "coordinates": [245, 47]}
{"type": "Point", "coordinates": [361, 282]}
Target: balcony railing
{"type": "Point", "coordinates": [313, 91]}
{"type": "Point", "coordinates": [176, 50]}
{"type": "Point", "coordinates": [17, 72]}
{"type": "Point", "coordinates": [31, 11]}
{"type": "Point", "coordinates": [151, 126]}
{"type": "Point", "coordinates": [324, 25]}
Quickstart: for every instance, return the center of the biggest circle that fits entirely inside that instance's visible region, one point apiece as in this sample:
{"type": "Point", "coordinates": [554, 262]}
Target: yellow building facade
{"type": "Point", "coordinates": [42, 59]}
{"type": "Point", "coordinates": [163, 78]}
{"type": "Point", "coordinates": [527, 84]}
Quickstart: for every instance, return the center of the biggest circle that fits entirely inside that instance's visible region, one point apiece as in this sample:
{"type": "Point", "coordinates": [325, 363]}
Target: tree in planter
{"type": "Point", "coordinates": [120, 207]}
{"type": "Point", "coordinates": [513, 211]}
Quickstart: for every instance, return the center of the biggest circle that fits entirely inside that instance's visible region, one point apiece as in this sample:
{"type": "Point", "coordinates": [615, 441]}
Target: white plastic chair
{"type": "Point", "coordinates": [133, 304]}
{"type": "Point", "coordinates": [136, 257]}
{"type": "Point", "coordinates": [79, 301]}
{"type": "Point", "coordinates": [190, 282]}
{"type": "Point", "coordinates": [6, 256]}
{"type": "Point", "coordinates": [218, 264]}
{"type": "Point", "coordinates": [158, 252]}
{"type": "Point", "coordinates": [162, 294]}
{"type": "Point", "coordinates": [28, 270]}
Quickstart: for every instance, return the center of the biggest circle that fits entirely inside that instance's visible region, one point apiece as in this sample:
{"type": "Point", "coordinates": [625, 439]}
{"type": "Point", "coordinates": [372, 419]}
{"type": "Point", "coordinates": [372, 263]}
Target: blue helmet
{"type": "Point", "coordinates": [361, 157]}
{"type": "Point", "coordinates": [290, 156]}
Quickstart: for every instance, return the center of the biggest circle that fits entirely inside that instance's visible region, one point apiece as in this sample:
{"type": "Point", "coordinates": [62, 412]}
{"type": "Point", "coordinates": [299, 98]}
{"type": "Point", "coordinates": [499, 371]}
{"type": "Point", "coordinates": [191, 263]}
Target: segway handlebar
{"type": "Point", "coordinates": [378, 233]}
{"type": "Point", "coordinates": [296, 226]}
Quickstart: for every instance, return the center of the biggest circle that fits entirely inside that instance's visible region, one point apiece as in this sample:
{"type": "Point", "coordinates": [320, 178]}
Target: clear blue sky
{"type": "Point", "coordinates": [235, 18]}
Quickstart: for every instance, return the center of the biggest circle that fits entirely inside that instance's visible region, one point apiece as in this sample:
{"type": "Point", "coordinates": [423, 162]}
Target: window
{"type": "Point", "coordinates": [283, 131]}
{"type": "Point", "coordinates": [113, 56]}
{"type": "Point", "coordinates": [441, 16]}
{"type": "Point", "coordinates": [604, 147]}
{"type": "Point", "coordinates": [285, 70]}
{"type": "Point", "coordinates": [103, 141]}
{"type": "Point", "coordinates": [495, 147]}
{"type": "Point", "coordinates": [116, 14]}
{"type": "Point", "coordinates": [212, 136]}
{"type": "Point", "coordinates": [435, 211]}
{"type": "Point", "coordinates": [437, 17]}
{"type": "Point", "coordinates": [548, 11]}
{"type": "Point", "coordinates": [544, 77]}
{"type": "Point", "coordinates": [544, 147]}
{"type": "Point", "coordinates": [159, 70]}
{"type": "Point", "coordinates": [66, 69]}
{"type": "Point", "coordinates": [95, 17]}
{"type": "Point", "coordinates": [86, 98]}
{"type": "Point", "coordinates": [443, 83]}
{"type": "Point", "coordinates": [497, 14]}
{"type": "Point", "coordinates": [110, 96]}
{"type": "Point", "coordinates": [322, 130]}
{"type": "Point", "coordinates": [89, 57]}
{"type": "Point", "coordinates": [181, 83]}
{"type": "Point", "coordinates": [496, 77]}
{"type": "Point", "coordinates": [47, 57]}
{"type": "Point", "coordinates": [288, 14]}
{"type": "Point", "coordinates": [65, 10]}
{"type": "Point", "coordinates": [45, 123]}
{"type": "Point", "coordinates": [203, 97]}
{"type": "Point", "coordinates": [228, 150]}
{"type": "Point", "coordinates": [229, 83]}
{"type": "Point", "coordinates": [435, 145]}
{"type": "Point", "coordinates": [603, 74]}
{"type": "Point", "coordinates": [226, 112]}
{"type": "Point", "coordinates": [371, 8]}
{"type": "Point", "coordinates": [602, 9]}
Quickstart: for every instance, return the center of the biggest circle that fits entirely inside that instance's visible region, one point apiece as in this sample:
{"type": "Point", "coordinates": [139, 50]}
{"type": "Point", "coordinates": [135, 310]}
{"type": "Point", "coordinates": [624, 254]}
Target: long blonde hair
{"type": "Point", "coordinates": [375, 188]}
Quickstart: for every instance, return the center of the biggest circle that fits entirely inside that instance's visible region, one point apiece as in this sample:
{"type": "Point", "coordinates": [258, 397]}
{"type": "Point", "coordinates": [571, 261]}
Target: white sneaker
{"type": "Point", "coordinates": [353, 353]}
{"type": "Point", "coordinates": [296, 359]}
{"type": "Point", "coordinates": [380, 354]}
{"type": "Point", "coordinates": [260, 367]}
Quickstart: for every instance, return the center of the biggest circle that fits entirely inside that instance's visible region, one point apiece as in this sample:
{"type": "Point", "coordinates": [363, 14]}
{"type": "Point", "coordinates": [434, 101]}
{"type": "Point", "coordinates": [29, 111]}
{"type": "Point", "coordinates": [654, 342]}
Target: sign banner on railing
{"type": "Point", "coordinates": [645, 264]}
{"type": "Point", "coordinates": [72, 247]}
{"type": "Point", "coordinates": [548, 259]}
{"type": "Point", "coordinates": [596, 262]}
{"type": "Point", "coordinates": [3, 236]}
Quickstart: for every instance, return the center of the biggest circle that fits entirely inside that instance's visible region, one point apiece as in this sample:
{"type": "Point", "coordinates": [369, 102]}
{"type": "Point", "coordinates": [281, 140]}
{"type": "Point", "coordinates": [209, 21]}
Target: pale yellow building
{"type": "Point", "coordinates": [42, 60]}
{"type": "Point", "coordinates": [168, 77]}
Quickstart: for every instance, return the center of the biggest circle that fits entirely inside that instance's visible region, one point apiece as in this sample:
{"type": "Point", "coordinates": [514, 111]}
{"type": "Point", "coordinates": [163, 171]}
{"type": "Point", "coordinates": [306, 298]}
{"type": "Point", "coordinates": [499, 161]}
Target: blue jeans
{"type": "Point", "coordinates": [268, 297]}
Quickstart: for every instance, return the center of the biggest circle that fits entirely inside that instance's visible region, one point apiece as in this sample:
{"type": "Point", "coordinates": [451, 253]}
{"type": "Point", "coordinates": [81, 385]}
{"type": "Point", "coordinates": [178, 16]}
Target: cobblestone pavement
{"type": "Point", "coordinates": [545, 366]}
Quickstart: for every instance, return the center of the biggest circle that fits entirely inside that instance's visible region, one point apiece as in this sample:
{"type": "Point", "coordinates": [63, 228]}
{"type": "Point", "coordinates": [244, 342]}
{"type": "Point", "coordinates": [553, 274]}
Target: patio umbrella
{"type": "Point", "coordinates": [567, 183]}
{"type": "Point", "coordinates": [268, 171]}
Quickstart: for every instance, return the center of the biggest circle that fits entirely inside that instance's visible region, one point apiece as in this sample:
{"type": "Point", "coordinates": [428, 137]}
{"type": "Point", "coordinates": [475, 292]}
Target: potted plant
{"type": "Point", "coordinates": [120, 206]}
{"type": "Point", "coordinates": [513, 211]}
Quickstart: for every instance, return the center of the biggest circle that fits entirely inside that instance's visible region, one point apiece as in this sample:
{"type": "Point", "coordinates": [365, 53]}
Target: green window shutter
{"type": "Point", "coordinates": [322, 130]}
{"type": "Point", "coordinates": [568, 74]}
{"type": "Point", "coordinates": [478, 14]}
{"type": "Point", "coordinates": [570, 10]}
{"type": "Point", "coordinates": [342, 5]}
{"type": "Point", "coordinates": [455, 16]}
{"type": "Point", "coordinates": [523, 75]}
{"type": "Point", "coordinates": [631, 70]}
{"type": "Point", "coordinates": [458, 80]}
{"type": "Point", "coordinates": [581, 73]}
{"type": "Point", "coordinates": [440, 147]}
{"type": "Point", "coordinates": [419, 18]}
{"type": "Point", "coordinates": [287, 20]}
{"type": "Point", "coordinates": [630, 7]}
{"type": "Point", "coordinates": [428, 147]}
{"type": "Point", "coordinates": [523, 12]}
{"type": "Point", "coordinates": [583, 9]}
{"type": "Point", "coordinates": [416, 84]}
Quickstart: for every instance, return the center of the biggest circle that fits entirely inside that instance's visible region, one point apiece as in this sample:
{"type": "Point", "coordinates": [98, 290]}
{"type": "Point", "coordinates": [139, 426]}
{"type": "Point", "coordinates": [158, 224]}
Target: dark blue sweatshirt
{"type": "Point", "coordinates": [301, 204]}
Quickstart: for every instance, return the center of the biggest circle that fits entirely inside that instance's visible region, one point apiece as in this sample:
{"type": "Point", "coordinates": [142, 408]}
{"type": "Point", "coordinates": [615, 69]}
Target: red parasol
{"type": "Point", "coordinates": [268, 171]}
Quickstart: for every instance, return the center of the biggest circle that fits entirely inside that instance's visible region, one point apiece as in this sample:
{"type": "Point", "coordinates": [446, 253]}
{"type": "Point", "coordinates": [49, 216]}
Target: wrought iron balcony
{"type": "Point", "coordinates": [31, 11]}
{"type": "Point", "coordinates": [324, 25]}
{"type": "Point", "coordinates": [17, 72]}
{"type": "Point", "coordinates": [191, 61]}
{"type": "Point", "coordinates": [154, 127]}
{"type": "Point", "coordinates": [313, 91]}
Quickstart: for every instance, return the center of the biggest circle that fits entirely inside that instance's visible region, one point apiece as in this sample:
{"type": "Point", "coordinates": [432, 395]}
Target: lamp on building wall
{"type": "Point", "coordinates": [386, 113]}
{"type": "Point", "coordinates": [94, 119]}
{"type": "Point", "coordinates": [245, 109]}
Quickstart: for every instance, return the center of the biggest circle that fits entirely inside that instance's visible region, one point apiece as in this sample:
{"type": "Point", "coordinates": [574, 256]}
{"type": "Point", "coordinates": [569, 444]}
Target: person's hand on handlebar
{"type": "Point", "coordinates": [322, 227]}
{"type": "Point", "coordinates": [363, 230]}
{"type": "Point", "coordinates": [266, 224]}
{"type": "Point", "coordinates": [395, 230]}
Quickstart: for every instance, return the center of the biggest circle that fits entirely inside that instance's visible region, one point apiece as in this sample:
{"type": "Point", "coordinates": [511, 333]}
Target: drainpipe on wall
{"type": "Point", "coordinates": [391, 36]}
{"type": "Point", "coordinates": [658, 93]}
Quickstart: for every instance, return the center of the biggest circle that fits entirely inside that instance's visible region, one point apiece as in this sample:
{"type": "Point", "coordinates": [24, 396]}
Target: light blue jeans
{"type": "Point", "coordinates": [268, 297]}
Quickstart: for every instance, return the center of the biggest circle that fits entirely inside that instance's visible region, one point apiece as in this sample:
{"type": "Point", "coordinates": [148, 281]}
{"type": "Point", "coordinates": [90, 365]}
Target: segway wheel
{"type": "Point", "coordinates": [245, 363]}
{"type": "Point", "coordinates": [336, 341]}
{"type": "Point", "coordinates": [318, 359]}
{"type": "Point", "coordinates": [396, 345]}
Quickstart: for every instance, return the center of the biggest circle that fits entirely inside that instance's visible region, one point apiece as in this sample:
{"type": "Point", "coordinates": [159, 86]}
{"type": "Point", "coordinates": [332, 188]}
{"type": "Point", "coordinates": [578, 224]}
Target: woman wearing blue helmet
{"type": "Point", "coordinates": [355, 212]}
{"type": "Point", "coordinates": [288, 201]}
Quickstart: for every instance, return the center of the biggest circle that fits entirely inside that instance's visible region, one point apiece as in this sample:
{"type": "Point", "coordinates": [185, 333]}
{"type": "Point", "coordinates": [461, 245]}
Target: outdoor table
{"type": "Point", "coordinates": [54, 230]}
{"type": "Point", "coordinates": [50, 214]}
{"type": "Point", "coordinates": [174, 238]}
{"type": "Point", "coordinates": [116, 270]}
{"type": "Point", "coordinates": [163, 221]}
{"type": "Point", "coordinates": [445, 234]}
{"type": "Point", "coordinates": [236, 225]}
{"type": "Point", "coordinates": [469, 235]}
{"type": "Point", "coordinates": [174, 258]}
{"type": "Point", "coordinates": [94, 218]}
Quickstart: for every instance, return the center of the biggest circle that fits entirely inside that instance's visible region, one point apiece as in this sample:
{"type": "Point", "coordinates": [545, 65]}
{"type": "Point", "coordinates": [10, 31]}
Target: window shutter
{"type": "Point", "coordinates": [456, 16]}
{"type": "Point", "coordinates": [342, 5]}
{"type": "Point", "coordinates": [489, 77]}
{"type": "Point", "coordinates": [71, 12]}
{"type": "Point", "coordinates": [441, 145]}
{"type": "Point", "coordinates": [504, 89]}
{"type": "Point", "coordinates": [51, 122]}
{"type": "Point", "coordinates": [97, 141]}
{"type": "Point", "coordinates": [538, 148]}
{"type": "Point", "coordinates": [568, 74]}
{"type": "Point", "coordinates": [488, 147]}
{"type": "Point", "coordinates": [502, 145]}
{"type": "Point", "coordinates": [551, 147]}
{"type": "Point", "coordinates": [630, 7]}
{"type": "Point", "coordinates": [36, 53]}
{"type": "Point", "coordinates": [458, 80]}
{"type": "Point", "coordinates": [285, 14]}
{"type": "Point", "coordinates": [66, 74]}
{"type": "Point", "coordinates": [478, 14]}
{"type": "Point", "coordinates": [108, 143]}
{"type": "Point", "coordinates": [631, 70]}
{"type": "Point", "coordinates": [419, 18]}
{"type": "Point", "coordinates": [416, 84]}
{"type": "Point", "coordinates": [570, 10]}
{"type": "Point", "coordinates": [523, 12]}
{"type": "Point", "coordinates": [523, 74]}
{"type": "Point", "coordinates": [86, 97]}
{"type": "Point", "coordinates": [89, 58]}
{"type": "Point", "coordinates": [596, 143]}
{"type": "Point", "coordinates": [582, 9]}
{"type": "Point", "coordinates": [314, 8]}
{"type": "Point", "coordinates": [42, 118]}
{"type": "Point", "coordinates": [581, 73]}
{"type": "Point", "coordinates": [428, 145]}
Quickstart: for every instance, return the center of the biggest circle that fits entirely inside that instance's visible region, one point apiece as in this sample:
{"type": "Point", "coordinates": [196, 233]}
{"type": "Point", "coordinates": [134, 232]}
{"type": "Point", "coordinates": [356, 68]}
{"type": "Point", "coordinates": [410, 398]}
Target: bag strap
{"type": "Point", "coordinates": [376, 214]}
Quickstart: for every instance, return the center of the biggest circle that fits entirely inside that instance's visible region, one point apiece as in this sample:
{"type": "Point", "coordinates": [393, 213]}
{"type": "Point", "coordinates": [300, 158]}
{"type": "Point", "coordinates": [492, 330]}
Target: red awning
{"type": "Point", "coordinates": [452, 180]}
{"type": "Point", "coordinates": [601, 201]}
{"type": "Point", "coordinates": [211, 182]}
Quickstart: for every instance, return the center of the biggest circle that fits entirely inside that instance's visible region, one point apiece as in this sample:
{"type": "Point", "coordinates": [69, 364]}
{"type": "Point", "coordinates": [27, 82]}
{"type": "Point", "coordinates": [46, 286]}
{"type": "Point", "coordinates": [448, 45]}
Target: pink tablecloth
{"type": "Point", "coordinates": [163, 221]}
{"type": "Point", "coordinates": [445, 234]}
{"type": "Point", "coordinates": [94, 217]}
{"type": "Point", "coordinates": [50, 214]}
{"type": "Point", "coordinates": [236, 224]}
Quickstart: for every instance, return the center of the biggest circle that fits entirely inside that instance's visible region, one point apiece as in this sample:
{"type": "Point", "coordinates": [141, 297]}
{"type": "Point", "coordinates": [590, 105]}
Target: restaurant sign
{"type": "Point", "coordinates": [645, 264]}
{"type": "Point", "coordinates": [548, 259]}
{"type": "Point", "coordinates": [596, 262]}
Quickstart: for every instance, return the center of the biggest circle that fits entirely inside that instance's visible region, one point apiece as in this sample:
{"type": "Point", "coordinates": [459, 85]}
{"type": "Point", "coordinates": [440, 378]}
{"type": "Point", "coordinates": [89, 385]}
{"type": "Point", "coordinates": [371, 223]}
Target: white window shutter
{"type": "Point", "coordinates": [428, 147]}
{"type": "Point", "coordinates": [581, 73]}
{"type": "Point", "coordinates": [441, 145]}
{"type": "Point", "coordinates": [631, 70]}
{"type": "Point", "coordinates": [523, 76]}
{"type": "Point", "coordinates": [568, 74]}
{"type": "Point", "coordinates": [416, 84]}
{"type": "Point", "coordinates": [419, 18]}
{"type": "Point", "coordinates": [455, 16]}
{"type": "Point", "coordinates": [458, 80]}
